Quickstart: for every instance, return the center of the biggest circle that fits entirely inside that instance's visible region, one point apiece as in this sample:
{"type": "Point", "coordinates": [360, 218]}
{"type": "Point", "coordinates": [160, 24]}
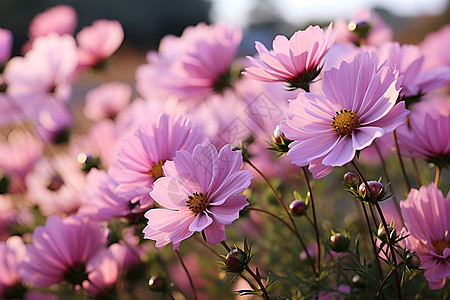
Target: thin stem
{"type": "Point", "coordinates": [275, 194]}
{"type": "Point", "coordinates": [397, 148]}
{"type": "Point", "coordinates": [224, 244]}
{"type": "Point", "coordinates": [416, 171]}
{"type": "Point", "coordinates": [258, 280]}
{"type": "Point", "coordinates": [372, 240]}
{"type": "Point", "coordinates": [305, 172]}
{"type": "Point", "coordinates": [202, 242]}
{"type": "Point", "coordinates": [382, 284]}
{"type": "Point", "coordinates": [438, 175]}
{"type": "Point", "coordinates": [383, 220]}
{"type": "Point", "coordinates": [391, 189]}
{"type": "Point", "coordinates": [194, 293]}
{"type": "Point", "coordinates": [290, 228]}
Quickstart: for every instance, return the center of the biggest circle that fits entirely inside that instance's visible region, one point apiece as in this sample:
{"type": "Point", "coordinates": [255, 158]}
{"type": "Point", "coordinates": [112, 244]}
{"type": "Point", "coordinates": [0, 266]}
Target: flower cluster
{"type": "Point", "coordinates": [207, 149]}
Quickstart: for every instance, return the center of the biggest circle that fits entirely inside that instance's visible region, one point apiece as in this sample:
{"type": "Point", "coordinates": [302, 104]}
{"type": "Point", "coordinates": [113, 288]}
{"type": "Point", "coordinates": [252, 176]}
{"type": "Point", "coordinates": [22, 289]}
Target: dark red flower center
{"type": "Point", "coordinates": [197, 202]}
{"type": "Point", "coordinates": [345, 121]}
{"type": "Point", "coordinates": [157, 171]}
{"type": "Point", "coordinates": [441, 245]}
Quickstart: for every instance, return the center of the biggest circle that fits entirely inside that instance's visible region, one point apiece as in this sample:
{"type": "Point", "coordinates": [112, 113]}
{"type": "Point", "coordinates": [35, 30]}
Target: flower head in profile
{"type": "Point", "coordinates": [427, 217]}
{"type": "Point", "coordinates": [199, 193]}
{"type": "Point", "coordinates": [293, 60]}
{"type": "Point", "coordinates": [61, 249]}
{"type": "Point", "coordinates": [358, 105]}
{"type": "Point", "coordinates": [140, 160]}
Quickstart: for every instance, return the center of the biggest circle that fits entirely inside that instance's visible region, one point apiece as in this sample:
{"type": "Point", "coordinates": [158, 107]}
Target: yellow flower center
{"type": "Point", "coordinates": [441, 245]}
{"type": "Point", "coordinates": [345, 121]}
{"type": "Point", "coordinates": [197, 202]}
{"type": "Point", "coordinates": [157, 171]}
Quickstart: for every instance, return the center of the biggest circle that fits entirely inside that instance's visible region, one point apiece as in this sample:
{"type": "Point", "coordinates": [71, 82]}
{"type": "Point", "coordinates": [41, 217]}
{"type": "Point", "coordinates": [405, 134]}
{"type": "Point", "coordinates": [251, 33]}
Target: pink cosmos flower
{"type": "Point", "coordinates": [43, 76]}
{"type": "Point", "coordinates": [61, 249]}
{"type": "Point", "coordinates": [367, 23]}
{"type": "Point", "coordinates": [409, 60]}
{"type": "Point", "coordinates": [6, 42]}
{"type": "Point", "coordinates": [52, 125]}
{"type": "Point", "coordinates": [436, 52]}
{"type": "Point", "coordinates": [57, 185]}
{"type": "Point", "coordinates": [19, 155]}
{"type": "Point", "coordinates": [103, 271]}
{"type": "Point", "coordinates": [357, 106]}
{"type": "Point", "coordinates": [291, 60]}
{"type": "Point", "coordinates": [106, 100]}
{"type": "Point", "coordinates": [61, 19]}
{"type": "Point", "coordinates": [191, 66]}
{"type": "Point", "coordinates": [103, 202]}
{"type": "Point", "coordinates": [427, 217]}
{"type": "Point", "coordinates": [140, 160]}
{"type": "Point", "coordinates": [98, 148]}
{"type": "Point", "coordinates": [199, 193]}
{"type": "Point", "coordinates": [427, 133]}
{"type": "Point", "coordinates": [12, 252]}
{"type": "Point", "coordinates": [98, 42]}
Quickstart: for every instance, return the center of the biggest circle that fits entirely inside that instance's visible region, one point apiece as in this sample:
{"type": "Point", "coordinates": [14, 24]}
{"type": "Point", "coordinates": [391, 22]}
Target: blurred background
{"type": "Point", "coordinates": [146, 22]}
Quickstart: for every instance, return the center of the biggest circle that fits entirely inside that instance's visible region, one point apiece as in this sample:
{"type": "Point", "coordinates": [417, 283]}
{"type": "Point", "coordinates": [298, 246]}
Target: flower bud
{"type": "Point", "coordinates": [375, 186]}
{"type": "Point", "coordinates": [278, 134]}
{"type": "Point", "coordinates": [236, 260]}
{"type": "Point", "coordinates": [381, 233]}
{"type": "Point", "coordinates": [350, 178]}
{"type": "Point", "coordinates": [298, 207]}
{"type": "Point", "coordinates": [413, 260]}
{"type": "Point", "coordinates": [157, 283]}
{"type": "Point", "coordinates": [339, 242]}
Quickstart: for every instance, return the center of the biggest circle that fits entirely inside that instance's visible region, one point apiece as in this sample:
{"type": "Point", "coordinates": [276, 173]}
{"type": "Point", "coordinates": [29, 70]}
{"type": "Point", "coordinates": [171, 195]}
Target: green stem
{"type": "Point", "coordinates": [316, 228]}
{"type": "Point", "coordinates": [372, 240]}
{"type": "Point", "coordinates": [258, 280]}
{"type": "Point", "coordinates": [180, 260]}
{"type": "Point", "coordinates": [397, 148]}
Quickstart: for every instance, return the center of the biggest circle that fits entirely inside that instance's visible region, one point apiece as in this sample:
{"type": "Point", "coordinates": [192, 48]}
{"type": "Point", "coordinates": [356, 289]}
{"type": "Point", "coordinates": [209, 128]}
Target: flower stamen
{"type": "Point", "coordinates": [197, 202]}
{"type": "Point", "coordinates": [345, 121]}
{"type": "Point", "coordinates": [157, 171]}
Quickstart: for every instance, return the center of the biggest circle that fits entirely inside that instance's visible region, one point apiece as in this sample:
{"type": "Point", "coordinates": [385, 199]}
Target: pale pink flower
{"type": "Point", "coordinates": [191, 66]}
{"type": "Point", "coordinates": [57, 185]}
{"type": "Point", "coordinates": [61, 250]}
{"type": "Point", "coordinates": [409, 60]}
{"type": "Point", "coordinates": [20, 153]}
{"type": "Point", "coordinates": [427, 217]}
{"type": "Point", "coordinates": [44, 75]}
{"type": "Point", "coordinates": [435, 51]}
{"type": "Point", "coordinates": [294, 59]}
{"type": "Point", "coordinates": [103, 271]}
{"type": "Point", "coordinates": [103, 202]}
{"type": "Point", "coordinates": [358, 105]}
{"type": "Point", "coordinates": [61, 19]}
{"type": "Point", "coordinates": [140, 160]}
{"type": "Point", "coordinates": [6, 42]}
{"type": "Point", "coordinates": [52, 125]}
{"type": "Point", "coordinates": [12, 252]}
{"type": "Point", "coordinates": [377, 30]}
{"type": "Point", "coordinates": [98, 42]}
{"type": "Point", "coordinates": [98, 148]}
{"type": "Point", "coordinates": [427, 133]}
{"type": "Point", "coordinates": [106, 100]}
{"type": "Point", "coordinates": [199, 193]}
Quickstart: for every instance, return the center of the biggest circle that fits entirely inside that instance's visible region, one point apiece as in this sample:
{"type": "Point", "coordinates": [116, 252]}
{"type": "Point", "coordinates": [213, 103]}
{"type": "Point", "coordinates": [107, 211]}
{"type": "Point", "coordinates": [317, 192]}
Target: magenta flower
{"type": "Point", "coordinates": [106, 100]}
{"type": "Point", "coordinates": [61, 19]}
{"type": "Point", "coordinates": [61, 249]}
{"type": "Point", "coordinates": [98, 42]}
{"type": "Point", "coordinates": [427, 217]}
{"type": "Point", "coordinates": [427, 135]}
{"type": "Point", "coordinates": [357, 106]}
{"type": "Point", "coordinates": [139, 162]}
{"type": "Point", "coordinates": [292, 60]}
{"type": "Point", "coordinates": [199, 193]}
{"type": "Point", "coordinates": [44, 75]}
